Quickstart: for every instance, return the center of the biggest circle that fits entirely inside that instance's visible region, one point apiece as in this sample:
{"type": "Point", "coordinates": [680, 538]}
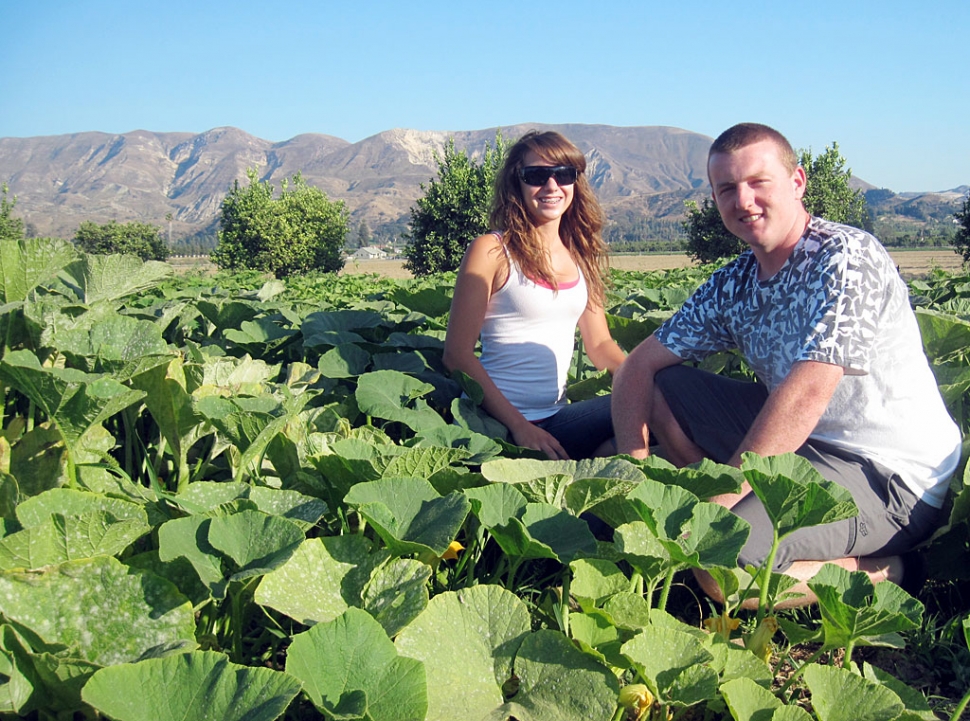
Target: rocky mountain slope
{"type": "Point", "coordinates": [181, 178]}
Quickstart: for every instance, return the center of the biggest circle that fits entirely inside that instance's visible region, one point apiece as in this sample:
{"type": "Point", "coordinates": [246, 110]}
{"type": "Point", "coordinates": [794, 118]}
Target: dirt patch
{"type": "Point", "coordinates": [911, 263]}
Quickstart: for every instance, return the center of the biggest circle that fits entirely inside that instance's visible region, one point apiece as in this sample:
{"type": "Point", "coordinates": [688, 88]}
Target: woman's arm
{"type": "Point", "coordinates": [483, 271]}
{"type": "Point", "coordinates": [602, 350]}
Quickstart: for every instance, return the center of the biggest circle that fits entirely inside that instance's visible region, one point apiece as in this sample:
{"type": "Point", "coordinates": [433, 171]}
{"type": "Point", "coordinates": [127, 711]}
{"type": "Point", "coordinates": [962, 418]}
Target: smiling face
{"type": "Point", "coordinates": [548, 202]}
{"type": "Point", "coordinates": [760, 200]}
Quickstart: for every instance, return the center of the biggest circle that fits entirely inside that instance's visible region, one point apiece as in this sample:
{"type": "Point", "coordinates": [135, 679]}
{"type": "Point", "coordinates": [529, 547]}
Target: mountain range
{"type": "Point", "coordinates": [179, 179]}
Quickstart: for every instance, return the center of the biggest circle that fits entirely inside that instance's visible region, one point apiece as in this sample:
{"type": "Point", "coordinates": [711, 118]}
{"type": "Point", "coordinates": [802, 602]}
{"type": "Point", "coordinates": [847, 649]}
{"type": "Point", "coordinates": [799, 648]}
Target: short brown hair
{"type": "Point", "coordinates": [745, 134]}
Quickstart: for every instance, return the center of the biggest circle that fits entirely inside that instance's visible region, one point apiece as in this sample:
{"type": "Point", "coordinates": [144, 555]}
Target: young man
{"type": "Point", "coordinates": [820, 314]}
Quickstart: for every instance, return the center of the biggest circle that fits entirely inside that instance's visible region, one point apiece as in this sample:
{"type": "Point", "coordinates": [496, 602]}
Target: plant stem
{"type": "Point", "coordinates": [961, 707]}
{"type": "Point", "coordinates": [564, 604]}
{"type": "Point", "coordinates": [765, 580]}
{"type": "Point", "coordinates": [665, 591]}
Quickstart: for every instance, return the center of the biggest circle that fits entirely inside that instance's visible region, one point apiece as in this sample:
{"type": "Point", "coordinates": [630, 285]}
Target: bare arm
{"type": "Point", "coordinates": [789, 415]}
{"type": "Point", "coordinates": [633, 395]}
{"type": "Point", "coordinates": [483, 271]}
{"type": "Point", "coordinates": [602, 350]}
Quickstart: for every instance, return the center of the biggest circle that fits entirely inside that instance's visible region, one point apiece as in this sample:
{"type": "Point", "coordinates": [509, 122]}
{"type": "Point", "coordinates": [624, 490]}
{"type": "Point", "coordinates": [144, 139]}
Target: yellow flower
{"type": "Point", "coordinates": [637, 697]}
{"type": "Point", "coordinates": [722, 625]}
{"type": "Point", "coordinates": [759, 642]}
{"type": "Point", "coordinates": [451, 553]}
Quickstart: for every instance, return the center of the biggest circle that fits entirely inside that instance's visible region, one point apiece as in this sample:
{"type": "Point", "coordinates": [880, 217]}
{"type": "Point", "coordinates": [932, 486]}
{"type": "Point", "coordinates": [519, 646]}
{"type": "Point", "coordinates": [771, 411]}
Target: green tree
{"type": "Point", "coordinates": [363, 238]}
{"type": "Point", "coordinates": [962, 239]}
{"type": "Point", "coordinates": [141, 239]}
{"type": "Point", "coordinates": [707, 237]}
{"type": "Point", "coordinates": [454, 209]}
{"type": "Point", "coordinates": [10, 228]}
{"type": "Point", "coordinates": [827, 195]}
{"type": "Point", "coordinates": [300, 231]}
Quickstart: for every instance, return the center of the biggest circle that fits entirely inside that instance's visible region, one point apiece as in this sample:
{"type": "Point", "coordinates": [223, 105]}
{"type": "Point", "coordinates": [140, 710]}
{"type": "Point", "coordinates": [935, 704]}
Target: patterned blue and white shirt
{"type": "Point", "coordinates": [838, 299]}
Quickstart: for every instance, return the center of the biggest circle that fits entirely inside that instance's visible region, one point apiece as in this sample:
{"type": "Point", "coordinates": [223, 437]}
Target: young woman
{"type": "Point", "coordinates": [523, 288]}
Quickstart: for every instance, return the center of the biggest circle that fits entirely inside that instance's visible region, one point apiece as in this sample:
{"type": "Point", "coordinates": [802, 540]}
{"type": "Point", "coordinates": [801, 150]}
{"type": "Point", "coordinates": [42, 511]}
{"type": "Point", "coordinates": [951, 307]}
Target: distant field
{"type": "Point", "coordinates": [912, 263]}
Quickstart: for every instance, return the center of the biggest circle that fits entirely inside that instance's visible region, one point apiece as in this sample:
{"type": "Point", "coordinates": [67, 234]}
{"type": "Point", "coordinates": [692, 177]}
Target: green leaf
{"type": "Point", "coordinates": [66, 538]}
{"type": "Point", "coordinates": [467, 641]}
{"type": "Point", "coordinates": [794, 494]}
{"type": "Point", "coordinates": [545, 531]}
{"type": "Point", "coordinates": [197, 685]}
{"type": "Point", "coordinates": [75, 401]}
{"type": "Point", "coordinates": [557, 682]}
{"type": "Point", "coordinates": [673, 664]}
{"type": "Point", "coordinates": [108, 612]}
{"type": "Point", "coordinates": [110, 342]}
{"type": "Point", "coordinates": [704, 479]}
{"type": "Point", "coordinates": [831, 686]}
{"type": "Point", "coordinates": [397, 593]}
{"type": "Point", "coordinates": [68, 502]}
{"type": "Point", "coordinates": [391, 394]}
{"type": "Point", "coordinates": [694, 533]}
{"type": "Point", "coordinates": [914, 701]}
{"type": "Point", "coordinates": [748, 701]}
{"type": "Point", "coordinates": [347, 360]}
{"type": "Point", "coordinates": [596, 579]}
{"type": "Point", "coordinates": [855, 611]}
{"type": "Point", "coordinates": [409, 514]}
{"type": "Point", "coordinates": [106, 278]}
{"type": "Point", "coordinates": [296, 507]}
{"type": "Point", "coordinates": [257, 542]}
{"type": "Point", "coordinates": [497, 503]}
{"type": "Point", "coordinates": [170, 405]}
{"type": "Point", "coordinates": [350, 663]}
{"type": "Point", "coordinates": [29, 262]}
{"type": "Point", "coordinates": [942, 334]}
{"type": "Point", "coordinates": [189, 538]}
{"type": "Point", "coordinates": [331, 574]}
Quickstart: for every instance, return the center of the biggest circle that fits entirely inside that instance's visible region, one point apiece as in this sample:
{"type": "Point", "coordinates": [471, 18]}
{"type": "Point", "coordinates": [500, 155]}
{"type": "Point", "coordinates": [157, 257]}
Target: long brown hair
{"type": "Point", "coordinates": [581, 225]}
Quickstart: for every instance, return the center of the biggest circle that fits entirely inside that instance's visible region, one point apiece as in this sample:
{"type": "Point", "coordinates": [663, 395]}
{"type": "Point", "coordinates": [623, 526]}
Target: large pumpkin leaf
{"type": "Point", "coordinates": [97, 278]}
{"type": "Point", "coordinates": [197, 685]}
{"type": "Point", "coordinates": [29, 262]}
{"type": "Point", "coordinates": [351, 670]}
{"type": "Point", "coordinates": [794, 493]}
{"type": "Point", "coordinates": [108, 612]}
{"type": "Point", "coordinates": [409, 514]}
{"type": "Point", "coordinates": [66, 538]}
{"type": "Point", "coordinates": [467, 641]}
{"type": "Point", "coordinates": [832, 686]}
{"type": "Point", "coordinates": [256, 542]}
{"type": "Point", "coordinates": [394, 396]}
{"type": "Point", "coordinates": [330, 573]}
{"type": "Point", "coordinates": [558, 682]}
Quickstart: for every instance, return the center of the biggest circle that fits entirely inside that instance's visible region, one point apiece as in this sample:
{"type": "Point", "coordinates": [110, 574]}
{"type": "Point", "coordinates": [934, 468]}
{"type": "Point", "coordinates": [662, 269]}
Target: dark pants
{"type": "Point", "coordinates": [581, 427]}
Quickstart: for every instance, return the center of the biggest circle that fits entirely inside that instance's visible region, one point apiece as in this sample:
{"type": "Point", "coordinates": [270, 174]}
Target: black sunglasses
{"type": "Point", "coordinates": [538, 175]}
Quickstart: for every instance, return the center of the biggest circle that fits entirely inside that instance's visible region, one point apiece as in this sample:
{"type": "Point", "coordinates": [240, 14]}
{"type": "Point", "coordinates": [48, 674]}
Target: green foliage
{"type": "Point", "coordinates": [962, 239]}
{"type": "Point", "coordinates": [707, 238]}
{"type": "Point", "coordinates": [300, 231]}
{"type": "Point", "coordinates": [141, 239]}
{"type": "Point", "coordinates": [827, 195]}
{"type": "Point", "coordinates": [292, 500]}
{"type": "Point", "coordinates": [10, 228]}
{"type": "Point", "coordinates": [454, 209]}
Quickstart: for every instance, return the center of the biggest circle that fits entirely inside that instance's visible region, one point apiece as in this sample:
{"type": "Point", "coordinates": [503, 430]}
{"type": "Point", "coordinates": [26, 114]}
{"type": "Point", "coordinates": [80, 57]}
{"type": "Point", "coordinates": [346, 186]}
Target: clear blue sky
{"type": "Point", "coordinates": [889, 81]}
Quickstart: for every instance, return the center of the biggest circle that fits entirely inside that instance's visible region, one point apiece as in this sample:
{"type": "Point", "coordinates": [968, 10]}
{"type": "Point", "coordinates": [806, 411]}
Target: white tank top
{"type": "Point", "coordinates": [528, 337]}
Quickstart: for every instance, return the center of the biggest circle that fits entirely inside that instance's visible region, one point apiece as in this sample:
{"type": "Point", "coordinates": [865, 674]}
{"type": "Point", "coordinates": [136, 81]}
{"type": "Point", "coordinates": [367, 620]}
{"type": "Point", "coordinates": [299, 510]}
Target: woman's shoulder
{"type": "Point", "coordinates": [488, 248]}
